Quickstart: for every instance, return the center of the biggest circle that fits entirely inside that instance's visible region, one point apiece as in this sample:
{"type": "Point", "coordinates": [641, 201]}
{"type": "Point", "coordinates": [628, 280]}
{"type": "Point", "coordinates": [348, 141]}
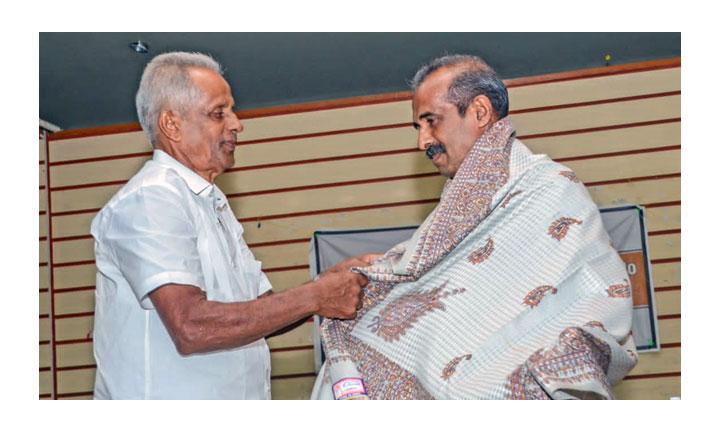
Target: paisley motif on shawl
{"type": "Point", "coordinates": [466, 198]}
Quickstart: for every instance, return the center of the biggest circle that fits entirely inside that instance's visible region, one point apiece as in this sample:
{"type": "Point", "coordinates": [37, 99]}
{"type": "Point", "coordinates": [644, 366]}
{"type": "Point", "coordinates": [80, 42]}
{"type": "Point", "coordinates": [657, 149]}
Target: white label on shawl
{"type": "Point", "coordinates": [350, 388]}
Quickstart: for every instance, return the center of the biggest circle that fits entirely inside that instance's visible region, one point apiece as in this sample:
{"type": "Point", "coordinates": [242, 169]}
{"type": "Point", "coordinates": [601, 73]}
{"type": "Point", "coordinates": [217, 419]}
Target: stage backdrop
{"type": "Point", "coordinates": [353, 163]}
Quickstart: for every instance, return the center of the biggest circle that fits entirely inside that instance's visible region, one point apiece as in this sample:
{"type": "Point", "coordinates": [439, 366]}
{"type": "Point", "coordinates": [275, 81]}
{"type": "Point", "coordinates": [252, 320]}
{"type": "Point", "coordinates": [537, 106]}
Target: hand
{"type": "Point", "coordinates": [339, 294]}
{"type": "Point", "coordinates": [356, 261]}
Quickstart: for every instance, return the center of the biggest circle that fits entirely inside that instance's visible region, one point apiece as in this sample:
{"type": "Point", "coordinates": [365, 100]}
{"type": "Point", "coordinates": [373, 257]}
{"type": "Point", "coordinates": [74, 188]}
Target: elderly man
{"type": "Point", "coordinates": [509, 289]}
{"type": "Point", "coordinates": [182, 307]}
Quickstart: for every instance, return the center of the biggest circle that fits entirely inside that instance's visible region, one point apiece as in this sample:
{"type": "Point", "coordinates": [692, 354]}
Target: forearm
{"type": "Point", "coordinates": [200, 325]}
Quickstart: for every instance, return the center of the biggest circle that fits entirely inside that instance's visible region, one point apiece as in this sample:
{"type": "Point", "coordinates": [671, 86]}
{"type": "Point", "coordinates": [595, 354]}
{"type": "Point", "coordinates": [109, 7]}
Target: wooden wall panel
{"type": "Point", "coordinates": [327, 146]}
{"type": "Point", "coordinates": [43, 254]}
{"type": "Point", "coordinates": [85, 396]}
{"type": "Point", "coordinates": [607, 141]}
{"type": "Point", "coordinates": [358, 167]}
{"type": "Point", "coordinates": [668, 302]}
{"type": "Point", "coordinates": [69, 200]}
{"type": "Point", "coordinates": [72, 225]}
{"type": "Point", "coordinates": [74, 302]}
{"type": "Point", "coordinates": [43, 227]}
{"type": "Point", "coordinates": [42, 181]}
{"type": "Point", "coordinates": [598, 89]}
{"type": "Point", "coordinates": [99, 146]}
{"type": "Point", "coordinates": [96, 172]}
{"type": "Point", "coordinates": [76, 381]}
{"type": "Point", "coordinates": [283, 280]}
{"type": "Point", "coordinates": [664, 246]}
{"type": "Point", "coordinates": [42, 202]}
{"type": "Point", "coordinates": [300, 336]}
{"type": "Point", "coordinates": [292, 388]}
{"type": "Point", "coordinates": [44, 331]}
{"type": "Point", "coordinates": [326, 121]}
{"type": "Point", "coordinates": [75, 328]}
{"type": "Point", "coordinates": [45, 308]}
{"type": "Point", "coordinates": [636, 192]}
{"type": "Point", "coordinates": [666, 274]}
{"type": "Point", "coordinates": [74, 276]}
{"type": "Point", "coordinates": [44, 277]}
{"type": "Point", "coordinates": [331, 198]}
{"type": "Point", "coordinates": [595, 116]}
{"type": "Point", "coordinates": [292, 362]}
{"type": "Point", "coordinates": [670, 330]}
{"type": "Point", "coordinates": [73, 251]}
{"type": "Point", "coordinates": [75, 354]}
{"type": "Point", "coordinates": [304, 226]}
{"type": "Point", "coordinates": [45, 382]}
{"type": "Point", "coordinates": [662, 218]}
{"type": "Point", "coordinates": [41, 148]}
{"type": "Point", "coordinates": [346, 170]}
{"type": "Point", "coordinates": [44, 356]}
{"type": "Point", "coordinates": [626, 166]}
{"type": "Point", "coordinates": [661, 388]}
{"type": "Point", "coordinates": [664, 361]}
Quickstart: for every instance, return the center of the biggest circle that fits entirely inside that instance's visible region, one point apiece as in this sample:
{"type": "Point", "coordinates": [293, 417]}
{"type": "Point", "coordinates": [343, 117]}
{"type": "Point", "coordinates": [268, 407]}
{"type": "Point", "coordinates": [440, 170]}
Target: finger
{"type": "Point", "coordinates": [369, 258]}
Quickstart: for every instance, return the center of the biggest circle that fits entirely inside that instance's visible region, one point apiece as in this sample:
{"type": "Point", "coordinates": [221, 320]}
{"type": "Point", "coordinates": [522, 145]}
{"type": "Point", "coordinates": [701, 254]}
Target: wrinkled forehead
{"type": "Point", "coordinates": [212, 86]}
{"type": "Point", "coordinates": [432, 91]}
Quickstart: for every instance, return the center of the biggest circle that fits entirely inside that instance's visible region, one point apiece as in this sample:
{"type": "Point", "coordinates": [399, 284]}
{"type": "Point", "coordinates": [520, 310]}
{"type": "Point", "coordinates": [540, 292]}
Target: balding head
{"type": "Point", "coordinates": [472, 77]}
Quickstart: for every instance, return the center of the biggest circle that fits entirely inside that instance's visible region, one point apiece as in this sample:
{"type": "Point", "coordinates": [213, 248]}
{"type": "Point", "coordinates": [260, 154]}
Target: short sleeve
{"type": "Point", "coordinates": [153, 240]}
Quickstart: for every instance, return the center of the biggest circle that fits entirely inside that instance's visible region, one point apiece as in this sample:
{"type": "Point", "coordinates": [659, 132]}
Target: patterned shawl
{"type": "Point", "coordinates": [509, 289]}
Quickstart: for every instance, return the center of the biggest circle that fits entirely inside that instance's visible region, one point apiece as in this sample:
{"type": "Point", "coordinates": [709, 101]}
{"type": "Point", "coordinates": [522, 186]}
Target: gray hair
{"type": "Point", "coordinates": [474, 78]}
{"type": "Point", "coordinates": [166, 84]}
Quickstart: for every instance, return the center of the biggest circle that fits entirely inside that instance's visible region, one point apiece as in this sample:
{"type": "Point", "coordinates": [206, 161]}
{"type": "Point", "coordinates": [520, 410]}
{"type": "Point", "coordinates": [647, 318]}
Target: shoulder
{"type": "Point", "coordinates": [154, 179]}
{"type": "Point", "coordinates": [154, 187]}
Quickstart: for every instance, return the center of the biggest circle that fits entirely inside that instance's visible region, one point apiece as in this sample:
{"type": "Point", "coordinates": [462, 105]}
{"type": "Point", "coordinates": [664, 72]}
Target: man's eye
{"type": "Point", "coordinates": [218, 114]}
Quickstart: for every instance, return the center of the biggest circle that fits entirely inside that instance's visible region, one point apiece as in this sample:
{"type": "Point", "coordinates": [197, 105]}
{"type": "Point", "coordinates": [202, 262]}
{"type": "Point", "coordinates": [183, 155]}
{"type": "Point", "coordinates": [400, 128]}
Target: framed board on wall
{"type": "Point", "coordinates": [624, 224]}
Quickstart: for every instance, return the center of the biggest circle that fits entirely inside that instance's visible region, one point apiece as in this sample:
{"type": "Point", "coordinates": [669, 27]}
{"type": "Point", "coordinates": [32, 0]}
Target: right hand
{"type": "Point", "coordinates": [339, 294]}
{"type": "Point", "coordinates": [356, 261]}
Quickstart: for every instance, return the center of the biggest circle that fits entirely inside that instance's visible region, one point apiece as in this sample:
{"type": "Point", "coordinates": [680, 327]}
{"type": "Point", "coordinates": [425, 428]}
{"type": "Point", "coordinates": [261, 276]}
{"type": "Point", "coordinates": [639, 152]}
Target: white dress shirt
{"type": "Point", "coordinates": [169, 225]}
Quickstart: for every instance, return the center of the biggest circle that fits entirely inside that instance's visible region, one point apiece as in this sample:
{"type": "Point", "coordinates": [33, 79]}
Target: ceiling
{"type": "Point", "coordinates": [90, 79]}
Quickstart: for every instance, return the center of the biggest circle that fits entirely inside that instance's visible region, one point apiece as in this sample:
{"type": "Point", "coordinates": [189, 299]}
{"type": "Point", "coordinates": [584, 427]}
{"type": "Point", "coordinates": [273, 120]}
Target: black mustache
{"type": "Point", "coordinates": [434, 149]}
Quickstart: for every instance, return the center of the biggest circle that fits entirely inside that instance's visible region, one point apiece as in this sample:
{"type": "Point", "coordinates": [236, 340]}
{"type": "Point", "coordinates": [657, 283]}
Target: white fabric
{"type": "Point", "coordinates": [169, 225]}
{"type": "Point", "coordinates": [509, 289]}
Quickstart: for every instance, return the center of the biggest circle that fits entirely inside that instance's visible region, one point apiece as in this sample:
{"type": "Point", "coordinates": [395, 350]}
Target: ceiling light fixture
{"type": "Point", "coordinates": [140, 47]}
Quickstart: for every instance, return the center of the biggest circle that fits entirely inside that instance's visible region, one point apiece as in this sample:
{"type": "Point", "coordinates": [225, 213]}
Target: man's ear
{"type": "Point", "coordinates": [482, 111]}
{"type": "Point", "coordinates": [169, 125]}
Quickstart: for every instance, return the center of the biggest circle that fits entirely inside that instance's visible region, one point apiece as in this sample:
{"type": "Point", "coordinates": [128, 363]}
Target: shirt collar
{"type": "Point", "coordinates": [196, 183]}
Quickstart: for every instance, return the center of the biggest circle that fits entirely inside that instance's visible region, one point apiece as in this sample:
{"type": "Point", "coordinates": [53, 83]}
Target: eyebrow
{"type": "Point", "coordinates": [421, 117]}
{"type": "Point", "coordinates": [222, 105]}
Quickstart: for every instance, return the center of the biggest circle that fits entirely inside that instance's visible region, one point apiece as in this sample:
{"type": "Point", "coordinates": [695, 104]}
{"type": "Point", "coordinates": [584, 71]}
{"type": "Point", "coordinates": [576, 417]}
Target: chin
{"type": "Point", "coordinates": [445, 173]}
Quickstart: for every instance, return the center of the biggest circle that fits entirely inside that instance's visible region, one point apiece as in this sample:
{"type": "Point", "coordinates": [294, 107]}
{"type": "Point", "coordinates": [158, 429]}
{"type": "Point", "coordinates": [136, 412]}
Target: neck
{"type": "Point", "coordinates": [186, 160]}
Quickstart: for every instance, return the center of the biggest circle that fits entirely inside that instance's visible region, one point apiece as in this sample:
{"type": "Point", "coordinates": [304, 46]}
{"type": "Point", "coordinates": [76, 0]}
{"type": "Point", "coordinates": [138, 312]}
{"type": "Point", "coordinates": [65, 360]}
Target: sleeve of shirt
{"type": "Point", "coordinates": [154, 242]}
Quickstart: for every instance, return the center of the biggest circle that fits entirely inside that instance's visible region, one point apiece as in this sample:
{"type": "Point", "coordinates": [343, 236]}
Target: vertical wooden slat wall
{"type": "Point", "coordinates": [45, 355]}
{"type": "Point", "coordinates": [354, 164]}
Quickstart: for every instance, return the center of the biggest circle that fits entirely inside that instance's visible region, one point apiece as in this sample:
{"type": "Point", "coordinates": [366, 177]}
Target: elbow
{"type": "Point", "coordinates": [187, 339]}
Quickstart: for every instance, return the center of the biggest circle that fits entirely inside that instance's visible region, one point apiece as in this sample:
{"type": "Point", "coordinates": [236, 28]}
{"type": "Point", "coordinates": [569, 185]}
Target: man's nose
{"type": "Point", "coordinates": [235, 123]}
{"type": "Point", "coordinates": [424, 139]}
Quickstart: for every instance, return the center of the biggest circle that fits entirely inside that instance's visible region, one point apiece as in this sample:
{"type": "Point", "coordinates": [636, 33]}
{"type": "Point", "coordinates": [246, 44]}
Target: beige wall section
{"type": "Point", "coordinates": [45, 353]}
{"type": "Point", "coordinates": [383, 150]}
{"type": "Point", "coordinates": [99, 146]}
{"type": "Point", "coordinates": [597, 89]}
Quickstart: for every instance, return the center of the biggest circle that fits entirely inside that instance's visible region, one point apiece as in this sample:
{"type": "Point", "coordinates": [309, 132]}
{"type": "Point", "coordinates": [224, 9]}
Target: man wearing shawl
{"type": "Point", "coordinates": [510, 288]}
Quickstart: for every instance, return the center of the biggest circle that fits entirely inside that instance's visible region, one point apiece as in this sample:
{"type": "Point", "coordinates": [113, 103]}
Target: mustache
{"type": "Point", "coordinates": [434, 149]}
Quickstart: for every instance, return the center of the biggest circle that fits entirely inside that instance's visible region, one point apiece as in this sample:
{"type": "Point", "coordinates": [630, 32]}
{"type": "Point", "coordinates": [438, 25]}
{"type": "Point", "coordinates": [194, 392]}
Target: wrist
{"type": "Point", "coordinates": [310, 297]}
